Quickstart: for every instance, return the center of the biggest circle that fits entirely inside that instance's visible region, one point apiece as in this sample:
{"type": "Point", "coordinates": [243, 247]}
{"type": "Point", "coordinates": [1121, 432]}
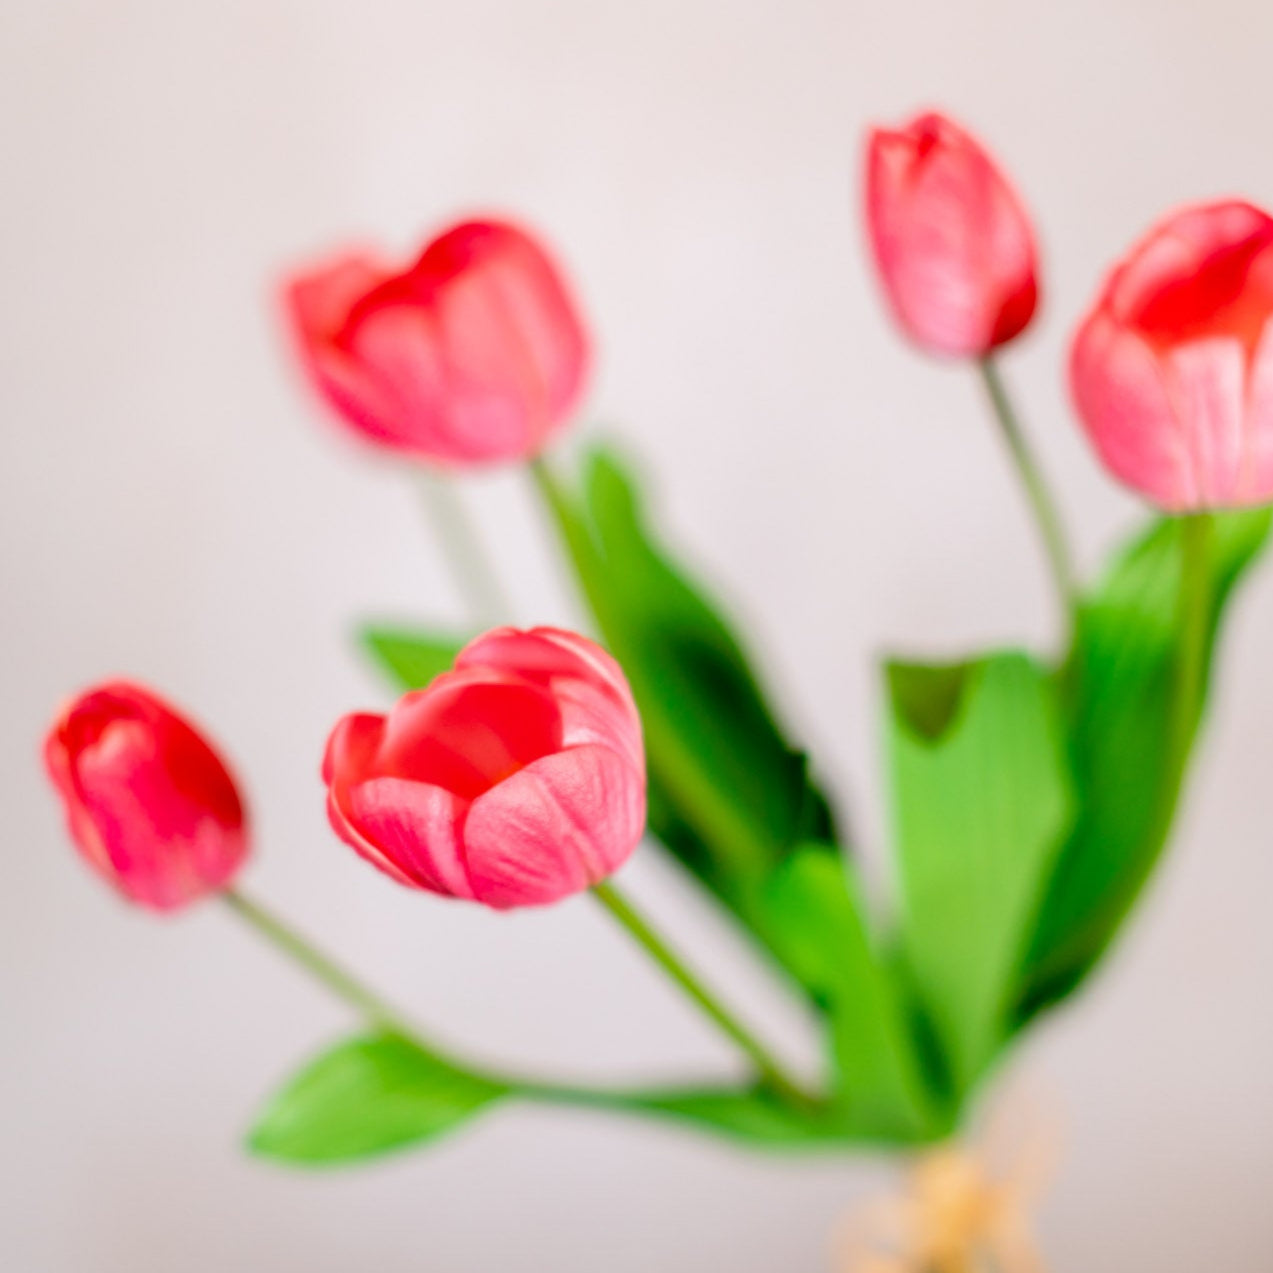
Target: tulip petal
{"type": "Point", "coordinates": [1207, 384]}
{"type": "Point", "coordinates": [149, 839]}
{"type": "Point", "coordinates": [320, 300]}
{"type": "Point", "coordinates": [410, 830]}
{"type": "Point", "coordinates": [497, 397]}
{"type": "Point", "coordinates": [351, 748]}
{"type": "Point", "coordinates": [1123, 401]}
{"type": "Point", "coordinates": [57, 762]}
{"type": "Point", "coordinates": [319, 303]}
{"type": "Point", "coordinates": [1256, 478]}
{"type": "Point", "coordinates": [559, 826]}
{"type": "Point", "coordinates": [1193, 270]}
{"type": "Point", "coordinates": [469, 730]}
{"type": "Point", "coordinates": [508, 322]}
{"type": "Point", "coordinates": [543, 652]}
{"type": "Point", "coordinates": [1173, 369]}
{"type": "Point", "coordinates": [1160, 261]}
{"type": "Point", "coordinates": [591, 691]}
{"type": "Point", "coordinates": [400, 345]}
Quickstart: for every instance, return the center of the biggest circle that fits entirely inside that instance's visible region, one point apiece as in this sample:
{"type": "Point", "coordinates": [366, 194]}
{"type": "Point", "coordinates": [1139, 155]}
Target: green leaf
{"type": "Point", "coordinates": [1118, 693]}
{"type": "Point", "coordinates": [819, 914]}
{"type": "Point", "coordinates": [750, 1115]}
{"type": "Point", "coordinates": [982, 799]}
{"type": "Point", "coordinates": [411, 659]}
{"type": "Point", "coordinates": [367, 1096]}
{"type": "Point", "coordinates": [692, 679]}
{"type": "Point", "coordinates": [730, 796]}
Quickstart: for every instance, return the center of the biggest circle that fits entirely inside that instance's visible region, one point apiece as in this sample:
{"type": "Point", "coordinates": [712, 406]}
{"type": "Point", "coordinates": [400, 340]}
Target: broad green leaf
{"type": "Point", "coordinates": [367, 1096]}
{"type": "Point", "coordinates": [1118, 693]}
{"type": "Point", "coordinates": [730, 797]}
{"type": "Point", "coordinates": [411, 659]}
{"type": "Point", "coordinates": [697, 692]}
{"type": "Point", "coordinates": [819, 914]}
{"type": "Point", "coordinates": [982, 802]}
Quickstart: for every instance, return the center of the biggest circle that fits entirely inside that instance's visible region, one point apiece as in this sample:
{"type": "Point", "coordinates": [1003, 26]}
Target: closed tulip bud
{"type": "Point", "coordinates": [149, 803]}
{"type": "Point", "coordinates": [515, 779]}
{"type": "Point", "coordinates": [476, 353]}
{"type": "Point", "coordinates": [1172, 370]}
{"type": "Point", "coordinates": [953, 245]}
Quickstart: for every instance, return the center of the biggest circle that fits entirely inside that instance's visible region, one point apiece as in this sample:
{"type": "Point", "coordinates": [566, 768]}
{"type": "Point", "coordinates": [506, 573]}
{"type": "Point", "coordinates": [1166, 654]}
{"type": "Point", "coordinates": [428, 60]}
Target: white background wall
{"type": "Point", "coordinates": [174, 507]}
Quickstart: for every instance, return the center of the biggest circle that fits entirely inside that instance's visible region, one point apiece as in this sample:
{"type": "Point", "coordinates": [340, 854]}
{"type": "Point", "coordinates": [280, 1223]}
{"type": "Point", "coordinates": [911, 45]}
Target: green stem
{"type": "Point", "coordinates": [382, 1016]}
{"type": "Point", "coordinates": [574, 536]}
{"type": "Point", "coordinates": [474, 574]}
{"type": "Point", "coordinates": [768, 1066]}
{"type": "Point", "coordinates": [342, 984]}
{"type": "Point", "coordinates": [715, 821]}
{"type": "Point", "coordinates": [1193, 624]}
{"type": "Point", "coordinates": [1044, 507]}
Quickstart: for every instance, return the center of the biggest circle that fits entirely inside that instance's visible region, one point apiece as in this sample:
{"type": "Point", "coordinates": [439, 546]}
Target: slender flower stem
{"type": "Point", "coordinates": [549, 487]}
{"type": "Point", "coordinates": [1041, 501]}
{"type": "Point", "coordinates": [369, 1005]}
{"type": "Point", "coordinates": [769, 1067]}
{"type": "Point", "coordinates": [720, 825]}
{"type": "Point", "coordinates": [486, 599]}
{"type": "Point", "coordinates": [474, 574]}
{"type": "Point", "coordinates": [344, 986]}
{"type": "Point", "coordinates": [1193, 621]}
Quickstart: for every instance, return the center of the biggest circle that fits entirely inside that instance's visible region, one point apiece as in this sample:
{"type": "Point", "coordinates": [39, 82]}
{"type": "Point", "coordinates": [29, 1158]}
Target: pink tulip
{"type": "Point", "coordinates": [514, 780]}
{"type": "Point", "coordinates": [952, 242]}
{"type": "Point", "coordinates": [476, 353]}
{"type": "Point", "coordinates": [149, 803]}
{"type": "Point", "coordinates": [1172, 370]}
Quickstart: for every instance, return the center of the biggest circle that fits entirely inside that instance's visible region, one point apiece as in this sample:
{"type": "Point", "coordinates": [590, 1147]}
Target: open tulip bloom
{"type": "Point", "coordinates": [475, 353]}
{"type": "Point", "coordinates": [1032, 793]}
{"type": "Point", "coordinates": [514, 780]}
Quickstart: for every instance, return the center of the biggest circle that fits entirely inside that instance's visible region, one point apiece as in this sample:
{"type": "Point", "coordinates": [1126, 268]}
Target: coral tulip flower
{"type": "Point", "coordinates": [952, 242]}
{"type": "Point", "coordinates": [515, 779]}
{"type": "Point", "coordinates": [476, 353]}
{"type": "Point", "coordinates": [150, 805]}
{"type": "Point", "coordinates": [1172, 369]}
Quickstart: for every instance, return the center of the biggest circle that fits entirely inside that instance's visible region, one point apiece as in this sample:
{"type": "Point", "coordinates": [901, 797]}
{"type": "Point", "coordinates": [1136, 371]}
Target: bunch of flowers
{"type": "Point", "coordinates": [1033, 793]}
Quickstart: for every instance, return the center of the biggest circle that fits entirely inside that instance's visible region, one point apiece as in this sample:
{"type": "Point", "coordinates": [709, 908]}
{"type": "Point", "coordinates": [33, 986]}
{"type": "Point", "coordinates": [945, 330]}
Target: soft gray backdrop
{"type": "Point", "coordinates": [174, 507]}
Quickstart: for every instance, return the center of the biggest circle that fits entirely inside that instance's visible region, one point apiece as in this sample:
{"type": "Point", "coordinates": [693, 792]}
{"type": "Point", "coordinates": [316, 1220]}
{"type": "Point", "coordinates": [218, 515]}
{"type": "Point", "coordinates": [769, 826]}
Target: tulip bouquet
{"type": "Point", "coordinates": [1033, 793]}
